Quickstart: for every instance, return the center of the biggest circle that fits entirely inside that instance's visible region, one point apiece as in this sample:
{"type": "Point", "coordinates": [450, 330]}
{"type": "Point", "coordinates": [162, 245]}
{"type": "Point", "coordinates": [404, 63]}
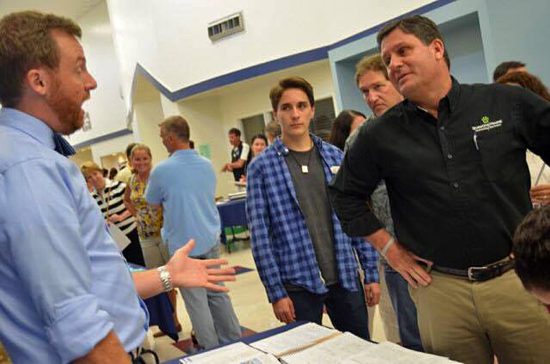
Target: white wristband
{"type": "Point", "coordinates": [387, 246]}
{"type": "Point", "coordinates": [165, 278]}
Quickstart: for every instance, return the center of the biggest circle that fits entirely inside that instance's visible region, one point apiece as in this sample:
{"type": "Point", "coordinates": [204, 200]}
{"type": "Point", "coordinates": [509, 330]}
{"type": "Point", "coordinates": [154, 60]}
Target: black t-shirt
{"type": "Point", "coordinates": [312, 194]}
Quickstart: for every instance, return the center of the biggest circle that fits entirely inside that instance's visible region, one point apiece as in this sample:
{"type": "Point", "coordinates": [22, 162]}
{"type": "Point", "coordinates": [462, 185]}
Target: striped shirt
{"type": "Point", "coordinates": [111, 202]}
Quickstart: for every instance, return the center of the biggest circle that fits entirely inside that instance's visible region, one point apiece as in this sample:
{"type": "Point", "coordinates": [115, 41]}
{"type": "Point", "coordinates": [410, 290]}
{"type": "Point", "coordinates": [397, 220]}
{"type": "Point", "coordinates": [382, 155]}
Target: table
{"type": "Point", "coordinates": [160, 314]}
{"type": "Point", "coordinates": [232, 213]}
{"type": "Point", "coordinates": [249, 339]}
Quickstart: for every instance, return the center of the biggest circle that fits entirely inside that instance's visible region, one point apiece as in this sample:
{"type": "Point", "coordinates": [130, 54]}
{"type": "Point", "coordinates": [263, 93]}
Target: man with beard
{"type": "Point", "coordinates": [66, 294]}
{"type": "Point", "coordinates": [453, 159]}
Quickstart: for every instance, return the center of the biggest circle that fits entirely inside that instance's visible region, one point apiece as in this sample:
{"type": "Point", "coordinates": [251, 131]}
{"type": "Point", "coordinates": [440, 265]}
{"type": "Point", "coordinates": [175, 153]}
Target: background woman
{"type": "Point", "coordinates": [257, 145]}
{"type": "Point", "coordinates": [345, 124]}
{"type": "Point", "coordinates": [109, 196]}
{"type": "Point", "coordinates": [540, 173]}
{"type": "Point", "coordinates": [148, 218]}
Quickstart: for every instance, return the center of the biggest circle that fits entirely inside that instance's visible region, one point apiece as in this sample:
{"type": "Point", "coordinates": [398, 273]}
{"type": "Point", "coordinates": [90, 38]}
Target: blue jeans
{"type": "Point", "coordinates": [347, 310]}
{"type": "Point", "coordinates": [404, 308]}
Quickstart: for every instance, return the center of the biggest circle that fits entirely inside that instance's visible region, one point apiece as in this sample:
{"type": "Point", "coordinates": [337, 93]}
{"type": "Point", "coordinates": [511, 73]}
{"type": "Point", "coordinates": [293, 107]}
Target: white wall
{"type": "Point", "coordinates": [169, 38]}
{"type": "Point", "coordinates": [212, 114]}
{"type": "Point", "coordinates": [147, 115]}
{"type": "Point", "coordinates": [111, 146]}
{"type": "Point", "coordinates": [106, 107]}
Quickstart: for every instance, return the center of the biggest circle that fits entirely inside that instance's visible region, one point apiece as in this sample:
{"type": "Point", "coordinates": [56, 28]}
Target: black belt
{"type": "Point", "coordinates": [479, 274]}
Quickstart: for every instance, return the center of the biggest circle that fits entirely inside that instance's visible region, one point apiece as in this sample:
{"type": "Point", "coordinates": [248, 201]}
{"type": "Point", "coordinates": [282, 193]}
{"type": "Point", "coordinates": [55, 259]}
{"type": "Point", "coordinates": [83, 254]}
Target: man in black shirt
{"type": "Point", "coordinates": [453, 159]}
{"type": "Point", "coordinates": [239, 154]}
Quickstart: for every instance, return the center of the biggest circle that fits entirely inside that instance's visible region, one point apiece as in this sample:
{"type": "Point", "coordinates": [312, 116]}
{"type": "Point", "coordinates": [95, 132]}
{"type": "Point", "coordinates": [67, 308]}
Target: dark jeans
{"type": "Point", "coordinates": [132, 253]}
{"type": "Point", "coordinates": [404, 308]}
{"type": "Point", "coordinates": [347, 310]}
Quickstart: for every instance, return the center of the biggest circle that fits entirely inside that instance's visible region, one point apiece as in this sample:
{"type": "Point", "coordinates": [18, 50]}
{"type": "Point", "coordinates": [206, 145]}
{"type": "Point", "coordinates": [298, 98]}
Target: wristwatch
{"type": "Point", "coordinates": [165, 278]}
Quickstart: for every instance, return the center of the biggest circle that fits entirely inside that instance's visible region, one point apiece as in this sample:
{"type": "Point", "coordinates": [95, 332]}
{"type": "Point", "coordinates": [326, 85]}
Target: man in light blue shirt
{"type": "Point", "coordinates": [66, 293]}
{"type": "Point", "coordinates": [185, 186]}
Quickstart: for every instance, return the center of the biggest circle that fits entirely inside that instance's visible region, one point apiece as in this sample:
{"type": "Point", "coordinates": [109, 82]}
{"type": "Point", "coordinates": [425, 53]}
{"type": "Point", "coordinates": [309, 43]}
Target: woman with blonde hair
{"type": "Point", "coordinates": [109, 196]}
{"type": "Point", "coordinates": [148, 218]}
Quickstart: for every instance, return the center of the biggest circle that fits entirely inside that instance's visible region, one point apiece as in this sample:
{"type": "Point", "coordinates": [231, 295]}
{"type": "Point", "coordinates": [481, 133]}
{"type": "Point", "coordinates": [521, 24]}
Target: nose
{"type": "Point", "coordinates": [395, 63]}
{"type": "Point", "coordinates": [91, 83]}
{"type": "Point", "coordinates": [371, 99]}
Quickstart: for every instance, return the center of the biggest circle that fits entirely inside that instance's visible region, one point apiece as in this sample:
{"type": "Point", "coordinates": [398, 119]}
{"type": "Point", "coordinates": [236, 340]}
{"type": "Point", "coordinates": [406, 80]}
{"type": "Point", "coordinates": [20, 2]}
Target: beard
{"type": "Point", "coordinates": [68, 111]}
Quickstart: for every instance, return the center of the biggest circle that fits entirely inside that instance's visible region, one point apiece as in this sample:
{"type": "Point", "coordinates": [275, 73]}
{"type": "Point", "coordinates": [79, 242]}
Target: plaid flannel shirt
{"type": "Point", "coordinates": [281, 244]}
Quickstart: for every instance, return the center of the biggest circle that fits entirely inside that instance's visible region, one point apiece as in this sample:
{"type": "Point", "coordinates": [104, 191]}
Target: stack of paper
{"type": "Point", "coordinates": [295, 339]}
{"type": "Point", "coordinates": [237, 353]}
{"type": "Point", "coordinates": [350, 349]}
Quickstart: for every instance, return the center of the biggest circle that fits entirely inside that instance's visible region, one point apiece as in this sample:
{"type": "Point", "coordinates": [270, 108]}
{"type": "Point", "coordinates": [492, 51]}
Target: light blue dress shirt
{"type": "Point", "coordinates": [63, 283]}
{"type": "Point", "coordinates": [185, 185]}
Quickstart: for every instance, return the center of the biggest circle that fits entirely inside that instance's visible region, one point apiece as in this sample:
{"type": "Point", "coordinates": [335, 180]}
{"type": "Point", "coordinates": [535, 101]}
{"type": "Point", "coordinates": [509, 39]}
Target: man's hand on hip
{"type": "Point", "coordinates": [400, 259]}
{"type": "Point", "coordinates": [406, 264]}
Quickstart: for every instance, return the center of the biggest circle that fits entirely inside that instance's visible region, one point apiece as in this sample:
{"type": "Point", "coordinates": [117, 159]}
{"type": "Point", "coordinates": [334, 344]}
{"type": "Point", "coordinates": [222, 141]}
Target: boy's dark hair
{"type": "Point", "coordinates": [291, 82]}
{"type": "Point", "coordinates": [531, 249]}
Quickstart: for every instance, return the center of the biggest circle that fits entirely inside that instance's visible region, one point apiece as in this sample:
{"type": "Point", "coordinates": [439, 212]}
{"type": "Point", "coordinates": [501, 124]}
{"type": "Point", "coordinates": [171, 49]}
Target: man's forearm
{"type": "Point", "coordinates": [109, 350]}
{"type": "Point", "coordinates": [237, 164]}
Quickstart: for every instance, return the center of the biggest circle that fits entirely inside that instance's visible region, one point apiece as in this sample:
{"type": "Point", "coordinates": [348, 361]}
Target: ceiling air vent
{"type": "Point", "coordinates": [224, 27]}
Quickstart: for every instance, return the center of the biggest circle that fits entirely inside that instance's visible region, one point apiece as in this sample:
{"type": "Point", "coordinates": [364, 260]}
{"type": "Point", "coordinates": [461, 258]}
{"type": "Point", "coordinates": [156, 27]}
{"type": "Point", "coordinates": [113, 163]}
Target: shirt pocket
{"type": "Point", "coordinates": [496, 149]}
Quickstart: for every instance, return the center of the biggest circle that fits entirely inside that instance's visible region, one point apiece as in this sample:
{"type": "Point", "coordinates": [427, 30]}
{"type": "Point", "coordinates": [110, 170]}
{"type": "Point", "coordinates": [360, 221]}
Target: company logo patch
{"type": "Point", "coordinates": [487, 124]}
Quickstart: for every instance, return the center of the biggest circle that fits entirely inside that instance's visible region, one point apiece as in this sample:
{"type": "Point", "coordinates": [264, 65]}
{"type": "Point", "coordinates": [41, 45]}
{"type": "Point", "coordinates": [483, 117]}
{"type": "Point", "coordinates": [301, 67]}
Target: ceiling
{"type": "Point", "coordinates": [69, 8]}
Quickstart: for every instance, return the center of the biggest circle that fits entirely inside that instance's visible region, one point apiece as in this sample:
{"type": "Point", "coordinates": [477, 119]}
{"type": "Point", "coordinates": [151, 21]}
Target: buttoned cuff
{"type": "Point", "coordinates": [275, 293]}
{"type": "Point", "coordinates": [362, 226]}
{"type": "Point", "coordinates": [371, 276]}
{"type": "Point", "coordinates": [77, 327]}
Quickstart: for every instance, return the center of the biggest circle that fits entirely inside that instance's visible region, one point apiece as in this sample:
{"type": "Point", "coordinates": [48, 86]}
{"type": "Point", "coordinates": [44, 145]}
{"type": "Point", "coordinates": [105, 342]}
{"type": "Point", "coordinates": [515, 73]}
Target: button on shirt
{"type": "Point", "coordinates": [459, 184]}
{"type": "Point", "coordinates": [185, 186]}
{"type": "Point", "coordinates": [64, 284]}
{"type": "Point", "coordinates": [281, 243]}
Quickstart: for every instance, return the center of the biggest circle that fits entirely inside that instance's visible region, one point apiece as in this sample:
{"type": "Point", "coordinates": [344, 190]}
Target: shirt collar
{"type": "Point", "coordinates": [25, 123]}
{"type": "Point", "coordinates": [282, 149]}
{"type": "Point", "coordinates": [451, 99]}
{"type": "Point", "coordinates": [184, 152]}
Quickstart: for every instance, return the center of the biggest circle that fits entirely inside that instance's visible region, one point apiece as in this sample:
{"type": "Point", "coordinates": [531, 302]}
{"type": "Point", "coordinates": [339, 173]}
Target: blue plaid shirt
{"type": "Point", "coordinates": [281, 244]}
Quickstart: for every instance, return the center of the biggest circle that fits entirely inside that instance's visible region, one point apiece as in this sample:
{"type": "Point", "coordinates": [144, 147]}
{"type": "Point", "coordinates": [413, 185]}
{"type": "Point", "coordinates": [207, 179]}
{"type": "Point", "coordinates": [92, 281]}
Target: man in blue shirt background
{"type": "Point", "coordinates": [185, 186]}
{"type": "Point", "coordinates": [66, 293]}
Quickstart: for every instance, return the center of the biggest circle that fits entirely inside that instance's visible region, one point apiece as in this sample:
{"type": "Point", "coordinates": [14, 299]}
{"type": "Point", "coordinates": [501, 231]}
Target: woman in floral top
{"type": "Point", "coordinates": [148, 218]}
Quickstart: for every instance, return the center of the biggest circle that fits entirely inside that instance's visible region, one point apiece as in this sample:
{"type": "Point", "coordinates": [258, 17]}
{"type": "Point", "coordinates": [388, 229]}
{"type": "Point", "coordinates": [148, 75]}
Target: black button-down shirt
{"type": "Point", "coordinates": [459, 184]}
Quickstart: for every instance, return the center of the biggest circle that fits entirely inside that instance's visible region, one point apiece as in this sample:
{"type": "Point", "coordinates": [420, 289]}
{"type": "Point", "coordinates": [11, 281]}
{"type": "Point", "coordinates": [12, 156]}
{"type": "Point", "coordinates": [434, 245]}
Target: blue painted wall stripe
{"type": "Point", "coordinates": [274, 65]}
{"type": "Point", "coordinates": [103, 138]}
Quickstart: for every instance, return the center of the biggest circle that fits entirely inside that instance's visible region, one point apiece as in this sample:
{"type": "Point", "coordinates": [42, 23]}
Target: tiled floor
{"type": "Point", "coordinates": [250, 303]}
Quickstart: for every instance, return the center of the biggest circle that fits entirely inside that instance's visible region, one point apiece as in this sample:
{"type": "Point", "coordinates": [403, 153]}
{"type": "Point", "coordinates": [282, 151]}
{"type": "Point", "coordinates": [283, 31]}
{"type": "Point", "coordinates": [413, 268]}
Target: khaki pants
{"type": "Point", "coordinates": [472, 321]}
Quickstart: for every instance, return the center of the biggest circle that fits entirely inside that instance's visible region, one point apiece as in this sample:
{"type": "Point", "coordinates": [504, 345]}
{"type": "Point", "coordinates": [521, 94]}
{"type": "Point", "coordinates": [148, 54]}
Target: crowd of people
{"type": "Point", "coordinates": [425, 207]}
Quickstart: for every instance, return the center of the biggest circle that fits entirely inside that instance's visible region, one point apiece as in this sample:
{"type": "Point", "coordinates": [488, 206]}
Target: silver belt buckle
{"type": "Point", "coordinates": [472, 270]}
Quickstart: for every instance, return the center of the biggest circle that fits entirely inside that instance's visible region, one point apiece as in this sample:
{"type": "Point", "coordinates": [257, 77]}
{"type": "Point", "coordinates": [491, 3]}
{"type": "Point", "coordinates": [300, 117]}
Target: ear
{"type": "Point", "coordinates": [38, 80]}
{"type": "Point", "coordinates": [438, 48]}
{"type": "Point", "coordinates": [275, 116]}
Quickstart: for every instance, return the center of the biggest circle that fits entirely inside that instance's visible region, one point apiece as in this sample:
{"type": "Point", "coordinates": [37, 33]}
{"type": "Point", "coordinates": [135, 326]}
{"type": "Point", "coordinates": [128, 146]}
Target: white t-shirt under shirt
{"type": "Point", "coordinates": [535, 164]}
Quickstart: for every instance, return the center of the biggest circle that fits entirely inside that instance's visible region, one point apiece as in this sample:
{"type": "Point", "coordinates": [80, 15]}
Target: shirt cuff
{"type": "Point", "coordinates": [275, 293]}
{"type": "Point", "coordinates": [362, 226]}
{"type": "Point", "coordinates": [78, 326]}
{"type": "Point", "coordinates": [371, 276]}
